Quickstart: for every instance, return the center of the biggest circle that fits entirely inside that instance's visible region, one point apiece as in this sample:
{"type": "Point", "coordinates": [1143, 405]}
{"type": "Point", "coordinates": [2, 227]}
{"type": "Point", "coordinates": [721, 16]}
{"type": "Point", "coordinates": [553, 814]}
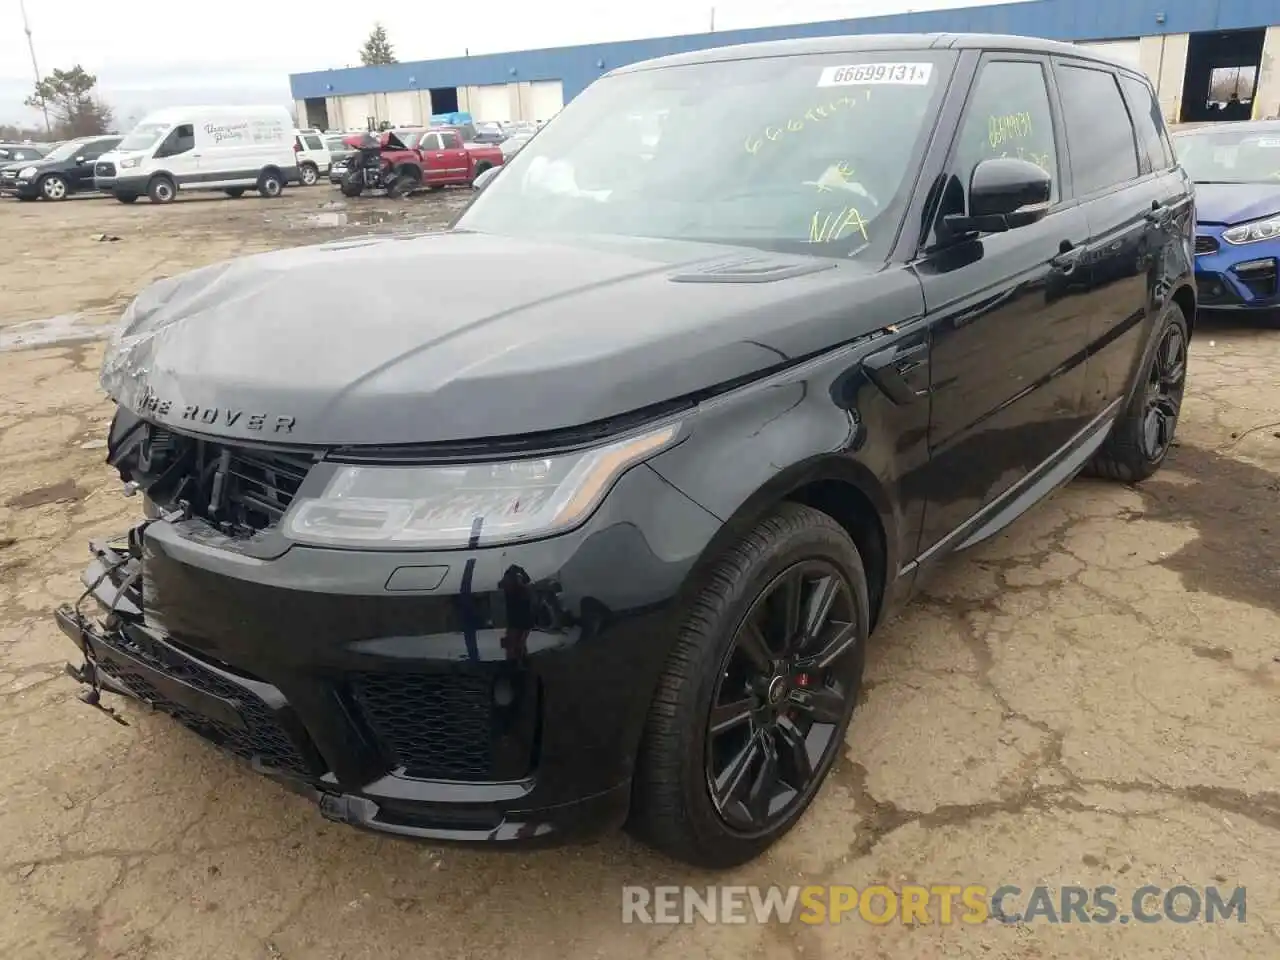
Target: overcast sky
{"type": "Point", "coordinates": [231, 51]}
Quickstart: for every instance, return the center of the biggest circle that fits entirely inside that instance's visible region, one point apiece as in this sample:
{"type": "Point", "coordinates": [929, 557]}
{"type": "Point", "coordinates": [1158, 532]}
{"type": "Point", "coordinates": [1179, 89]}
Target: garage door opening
{"type": "Point", "coordinates": [444, 99]}
{"type": "Point", "coordinates": [317, 114]}
{"type": "Point", "coordinates": [1222, 76]}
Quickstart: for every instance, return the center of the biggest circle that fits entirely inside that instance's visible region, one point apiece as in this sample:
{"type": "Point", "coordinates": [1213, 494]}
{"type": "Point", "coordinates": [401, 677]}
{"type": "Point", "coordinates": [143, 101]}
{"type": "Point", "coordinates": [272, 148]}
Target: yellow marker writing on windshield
{"type": "Point", "coordinates": [832, 226]}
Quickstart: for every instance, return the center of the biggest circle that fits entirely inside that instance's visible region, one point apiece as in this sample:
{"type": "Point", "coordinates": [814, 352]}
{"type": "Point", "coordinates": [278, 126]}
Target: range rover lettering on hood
{"type": "Point", "coordinates": [155, 407]}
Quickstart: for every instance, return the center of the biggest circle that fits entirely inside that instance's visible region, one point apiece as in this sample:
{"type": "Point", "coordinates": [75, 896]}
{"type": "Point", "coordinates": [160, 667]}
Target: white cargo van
{"type": "Point", "coordinates": [232, 149]}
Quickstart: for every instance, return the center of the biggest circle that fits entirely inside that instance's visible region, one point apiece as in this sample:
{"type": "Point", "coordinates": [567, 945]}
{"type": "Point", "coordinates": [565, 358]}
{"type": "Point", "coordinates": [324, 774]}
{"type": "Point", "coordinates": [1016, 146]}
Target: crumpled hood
{"type": "Point", "coordinates": [460, 335]}
{"type": "Point", "coordinates": [1232, 203]}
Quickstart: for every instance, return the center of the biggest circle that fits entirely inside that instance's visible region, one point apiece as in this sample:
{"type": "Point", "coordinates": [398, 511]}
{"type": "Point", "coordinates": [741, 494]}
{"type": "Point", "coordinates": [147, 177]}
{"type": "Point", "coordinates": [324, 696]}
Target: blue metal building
{"type": "Point", "coordinates": [520, 81]}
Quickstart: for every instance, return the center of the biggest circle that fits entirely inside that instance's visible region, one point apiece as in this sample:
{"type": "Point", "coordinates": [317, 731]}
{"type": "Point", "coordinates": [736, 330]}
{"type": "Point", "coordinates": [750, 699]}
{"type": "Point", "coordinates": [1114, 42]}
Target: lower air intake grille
{"type": "Point", "coordinates": [262, 739]}
{"type": "Point", "coordinates": [435, 726]}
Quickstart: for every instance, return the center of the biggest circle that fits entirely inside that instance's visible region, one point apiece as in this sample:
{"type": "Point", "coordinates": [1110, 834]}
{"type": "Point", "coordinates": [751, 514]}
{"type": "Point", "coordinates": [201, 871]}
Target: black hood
{"type": "Point", "coordinates": [461, 336]}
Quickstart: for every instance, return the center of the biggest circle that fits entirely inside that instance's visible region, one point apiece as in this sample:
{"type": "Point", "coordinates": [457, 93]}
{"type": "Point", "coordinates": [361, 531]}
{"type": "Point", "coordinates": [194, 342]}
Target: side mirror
{"type": "Point", "coordinates": [1004, 193]}
{"type": "Point", "coordinates": [484, 178]}
{"type": "Point", "coordinates": [79, 159]}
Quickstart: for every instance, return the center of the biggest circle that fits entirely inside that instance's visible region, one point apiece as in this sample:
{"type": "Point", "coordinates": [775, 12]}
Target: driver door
{"type": "Point", "coordinates": [1009, 333]}
{"type": "Point", "coordinates": [177, 154]}
{"type": "Point", "coordinates": [435, 165]}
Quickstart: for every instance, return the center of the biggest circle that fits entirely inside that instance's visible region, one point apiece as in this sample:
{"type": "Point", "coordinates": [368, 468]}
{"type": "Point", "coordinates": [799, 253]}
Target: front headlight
{"type": "Point", "coordinates": [26, 173]}
{"type": "Point", "coordinates": [475, 504]}
{"type": "Point", "coordinates": [1268, 229]}
{"type": "Point", "coordinates": [128, 162]}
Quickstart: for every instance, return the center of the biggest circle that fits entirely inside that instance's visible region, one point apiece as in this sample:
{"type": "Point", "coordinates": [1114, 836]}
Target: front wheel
{"type": "Point", "coordinates": [309, 174]}
{"type": "Point", "coordinates": [53, 187]}
{"type": "Point", "coordinates": [127, 197]}
{"type": "Point", "coordinates": [162, 190]}
{"type": "Point", "coordinates": [234, 192]}
{"type": "Point", "coordinates": [352, 185]}
{"type": "Point", "coordinates": [1142, 436]}
{"type": "Point", "coordinates": [752, 707]}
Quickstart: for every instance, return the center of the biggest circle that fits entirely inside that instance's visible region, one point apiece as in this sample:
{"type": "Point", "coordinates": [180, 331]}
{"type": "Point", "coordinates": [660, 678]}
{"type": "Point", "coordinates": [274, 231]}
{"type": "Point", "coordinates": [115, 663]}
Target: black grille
{"type": "Point", "coordinates": [435, 726]}
{"type": "Point", "coordinates": [262, 739]}
{"type": "Point", "coordinates": [241, 490]}
{"type": "Point", "coordinates": [1206, 245]}
{"type": "Point", "coordinates": [104, 170]}
{"type": "Point", "coordinates": [1259, 276]}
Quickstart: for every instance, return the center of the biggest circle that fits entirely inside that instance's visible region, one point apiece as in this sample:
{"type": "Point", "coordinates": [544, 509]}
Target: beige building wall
{"type": "Point", "coordinates": [1266, 98]}
{"type": "Point", "coordinates": [1164, 60]}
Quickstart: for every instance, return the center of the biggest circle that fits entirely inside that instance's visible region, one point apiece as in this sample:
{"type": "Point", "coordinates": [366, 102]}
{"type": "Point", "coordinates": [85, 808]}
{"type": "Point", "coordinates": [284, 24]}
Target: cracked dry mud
{"type": "Point", "coordinates": [1091, 698]}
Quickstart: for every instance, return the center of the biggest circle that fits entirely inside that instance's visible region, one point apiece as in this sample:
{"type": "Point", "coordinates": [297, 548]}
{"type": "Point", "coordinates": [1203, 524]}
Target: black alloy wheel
{"type": "Point", "coordinates": [759, 686]}
{"type": "Point", "coordinates": [1142, 435]}
{"type": "Point", "coordinates": [1163, 401]}
{"type": "Point", "coordinates": [784, 691]}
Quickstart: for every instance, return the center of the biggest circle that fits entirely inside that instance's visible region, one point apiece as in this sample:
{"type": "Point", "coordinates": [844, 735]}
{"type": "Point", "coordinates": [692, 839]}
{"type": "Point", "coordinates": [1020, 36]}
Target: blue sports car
{"type": "Point", "coordinates": [1236, 167]}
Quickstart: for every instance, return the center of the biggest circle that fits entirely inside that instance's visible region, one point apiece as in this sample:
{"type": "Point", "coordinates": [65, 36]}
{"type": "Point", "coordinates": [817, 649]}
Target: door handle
{"type": "Point", "coordinates": [889, 369]}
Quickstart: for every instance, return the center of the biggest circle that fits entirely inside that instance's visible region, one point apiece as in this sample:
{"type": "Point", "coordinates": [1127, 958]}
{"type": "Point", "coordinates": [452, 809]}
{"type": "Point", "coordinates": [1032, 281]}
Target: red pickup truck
{"type": "Point", "coordinates": [434, 158]}
{"type": "Point", "coordinates": [448, 159]}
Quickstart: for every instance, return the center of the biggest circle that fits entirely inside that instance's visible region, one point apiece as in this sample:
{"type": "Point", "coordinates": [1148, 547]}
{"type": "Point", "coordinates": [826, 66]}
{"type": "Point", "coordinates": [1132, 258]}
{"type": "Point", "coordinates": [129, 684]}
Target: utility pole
{"type": "Point", "coordinates": [35, 67]}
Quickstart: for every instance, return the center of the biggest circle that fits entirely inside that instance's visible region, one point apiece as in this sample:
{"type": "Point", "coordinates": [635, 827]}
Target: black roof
{"type": "Point", "coordinates": [876, 42]}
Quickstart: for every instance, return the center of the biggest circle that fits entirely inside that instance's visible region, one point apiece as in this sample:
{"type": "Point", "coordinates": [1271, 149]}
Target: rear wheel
{"type": "Point", "coordinates": [481, 167]}
{"type": "Point", "coordinates": [1143, 435]}
{"type": "Point", "coordinates": [234, 192]}
{"type": "Point", "coordinates": [162, 190]}
{"type": "Point", "coordinates": [127, 197]}
{"type": "Point", "coordinates": [309, 174]}
{"type": "Point", "coordinates": [270, 184]}
{"type": "Point", "coordinates": [752, 707]}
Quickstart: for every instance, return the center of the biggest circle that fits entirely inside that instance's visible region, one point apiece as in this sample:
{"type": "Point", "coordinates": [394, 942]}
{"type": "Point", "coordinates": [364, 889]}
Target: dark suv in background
{"type": "Point", "coordinates": [597, 532]}
{"type": "Point", "coordinates": [64, 170]}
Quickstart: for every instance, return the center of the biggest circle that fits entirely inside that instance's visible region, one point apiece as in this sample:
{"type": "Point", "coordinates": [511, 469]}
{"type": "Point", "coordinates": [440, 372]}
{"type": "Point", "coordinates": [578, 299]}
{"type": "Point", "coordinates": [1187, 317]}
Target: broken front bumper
{"type": "Point", "coordinates": [352, 779]}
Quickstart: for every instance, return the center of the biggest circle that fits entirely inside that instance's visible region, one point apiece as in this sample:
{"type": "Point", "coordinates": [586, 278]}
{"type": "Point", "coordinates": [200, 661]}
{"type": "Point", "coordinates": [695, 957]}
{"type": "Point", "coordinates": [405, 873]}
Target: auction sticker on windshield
{"type": "Point", "coordinates": [910, 74]}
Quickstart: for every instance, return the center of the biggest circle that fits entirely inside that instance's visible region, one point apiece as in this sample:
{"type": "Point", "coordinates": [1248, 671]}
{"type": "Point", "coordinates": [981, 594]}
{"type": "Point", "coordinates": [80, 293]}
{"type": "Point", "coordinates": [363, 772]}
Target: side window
{"type": "Point", "coordinates": [430, 141]}
{"type": "Point", "coordinates": [1008, 116]}
{"type": "Point", "coordinates": [1146, 121]}
{"type": "Point", "coordinates": [180, 139]}
{"type": "Point", "coordinates": [1103, 151]}
{"type": "Point", "coordinates": [92, 151]}
{"type": "Point", "coordinates": [313, 143]}
{"type": "Point", "coordinates": [450, 141]}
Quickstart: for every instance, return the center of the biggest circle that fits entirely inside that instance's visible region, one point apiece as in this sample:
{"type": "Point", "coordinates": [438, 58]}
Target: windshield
{"type": "Point", "coordinates": [805, 154]}
{"type": "Point", "coordinates": [65, 151]}
{"type": "Point", "coordinates": [142, 137]}
{"type": "Point", "coordinates": [1231, 156]}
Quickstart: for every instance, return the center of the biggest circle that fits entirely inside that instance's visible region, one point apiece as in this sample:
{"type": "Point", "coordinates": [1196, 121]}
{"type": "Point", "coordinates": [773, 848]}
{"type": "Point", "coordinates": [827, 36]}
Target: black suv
{"type": "Point", "coordinates": [64, 170]}
{"type": "Point", "coordinates": [583, 510]}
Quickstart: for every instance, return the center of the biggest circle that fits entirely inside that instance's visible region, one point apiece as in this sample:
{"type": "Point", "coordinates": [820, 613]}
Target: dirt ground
{"type": "Point", "coordinates": [1092, 698]}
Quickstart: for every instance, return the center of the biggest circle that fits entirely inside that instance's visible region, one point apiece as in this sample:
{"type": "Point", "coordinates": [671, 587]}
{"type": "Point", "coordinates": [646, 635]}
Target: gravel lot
{"type": "Point", "coordinates": [1092, 698]}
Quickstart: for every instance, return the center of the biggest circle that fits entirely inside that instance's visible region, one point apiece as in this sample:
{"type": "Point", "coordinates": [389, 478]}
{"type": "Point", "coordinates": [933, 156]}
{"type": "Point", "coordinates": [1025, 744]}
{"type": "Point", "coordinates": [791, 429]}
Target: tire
{"type": "Point", "coordinates": [22, 199]}
{"type": "Point", "coordinates": [308, 174]}
{"type": "Point", "coordinates": [398, 187]}
{"type": "Point", "coordinates": [672, 804]}
{"type": "Point", "coordinates": [127, 197]}
{"type": "Point", "coordinates": [1143, 435]}
{"type": "Point", "coordinates": [351, 186]}
{"type": "Point", "coordinates": [270, 184]}
{"type": "Point", "coordinates": [162, 190]}
{"type": "Point", "coordinates": [481, 167]}
{"type": "Point", "coordinates": [54, 187]}
{"type": "Point", "coordinates": [234, 193]}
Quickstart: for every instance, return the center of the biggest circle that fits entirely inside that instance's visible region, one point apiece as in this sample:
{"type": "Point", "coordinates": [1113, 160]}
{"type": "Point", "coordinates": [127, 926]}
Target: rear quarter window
{"type": "Point", "coordinates": [1147, 122]}
{"type": "Point", "coordinates": [313, 143]}
{"type": "Point", "coordinates": [1099, 133]}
